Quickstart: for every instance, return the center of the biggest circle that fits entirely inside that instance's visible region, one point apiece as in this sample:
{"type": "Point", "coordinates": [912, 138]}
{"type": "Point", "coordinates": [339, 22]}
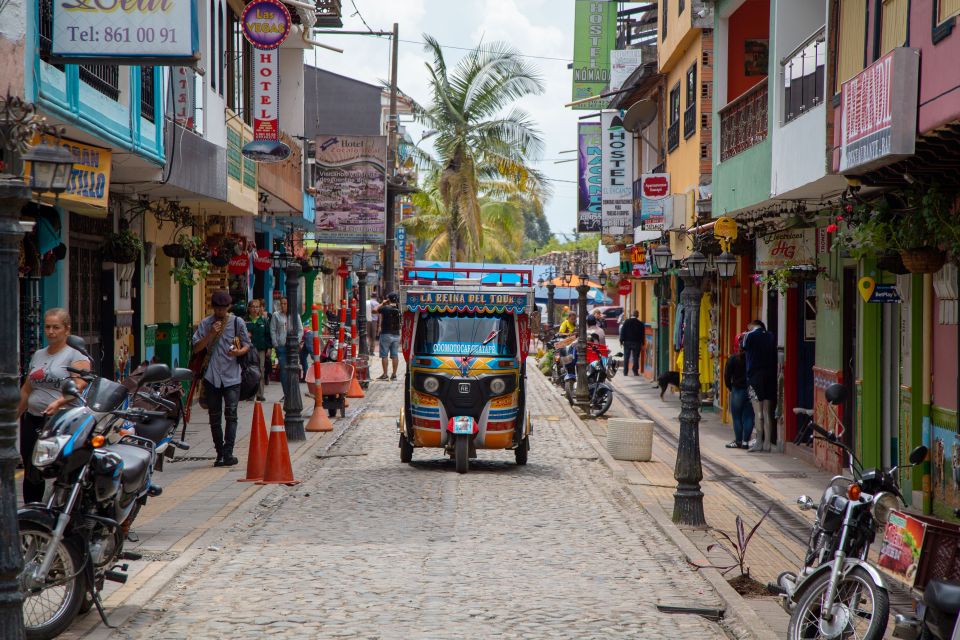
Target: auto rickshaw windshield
{"type": "Point", "coordinates": [453, 334]}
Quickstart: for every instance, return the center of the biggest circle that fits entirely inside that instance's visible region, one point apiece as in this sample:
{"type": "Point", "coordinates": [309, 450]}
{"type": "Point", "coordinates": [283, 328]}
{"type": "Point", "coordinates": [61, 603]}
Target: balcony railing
{"type": "Point", "coordinates": [329, 14]}
{"type": "Point", "coordinates": [743, 122]}
{"type": "Point", "coordinates": [689, 121]}
{"type": "Point", "coordinates": [105, 78]}
{"type": "Point", "coordinates": [146, 93]}
{"type": "Point", "coordinates": [673, 136]}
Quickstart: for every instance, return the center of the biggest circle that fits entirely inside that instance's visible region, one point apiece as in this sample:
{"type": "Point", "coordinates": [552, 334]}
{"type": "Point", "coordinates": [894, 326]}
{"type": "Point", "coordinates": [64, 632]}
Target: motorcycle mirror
{"type": "Point", "coordinates": [155, 373]}
{"type": "Point", "coordinates": [79, 344]}
{"type": "Point", "coordinates": [69, 388]}
{"type": "Point", "coordinates": [918, 455]}
{"type": "Point", "coordinates": [805, 503]}
{"type": "Point", "coordinates": [835, 393]}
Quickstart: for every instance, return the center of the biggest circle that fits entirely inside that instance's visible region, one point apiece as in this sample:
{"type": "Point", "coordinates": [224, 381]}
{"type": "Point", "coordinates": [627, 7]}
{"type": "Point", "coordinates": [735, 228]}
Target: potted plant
{"type": "Point", "coordinates": [173, 250]}
{"type": "Point", "coordinates": [325, 268]}
{"type": "Point", "coordinates": [926, 226]}
{"type": "Point", "coordinates": [193, 265]}
{"type": "Point", "coordinates": [122, 247]}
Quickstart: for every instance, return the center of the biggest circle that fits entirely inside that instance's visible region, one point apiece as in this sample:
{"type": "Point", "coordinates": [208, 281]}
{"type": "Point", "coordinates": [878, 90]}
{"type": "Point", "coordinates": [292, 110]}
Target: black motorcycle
{"type": "Point", "coordinates": [599, 371]}
{"type": "Point", "coordinates": [101, 477]}
{"type": "Point", "coordinates": [837, 593]}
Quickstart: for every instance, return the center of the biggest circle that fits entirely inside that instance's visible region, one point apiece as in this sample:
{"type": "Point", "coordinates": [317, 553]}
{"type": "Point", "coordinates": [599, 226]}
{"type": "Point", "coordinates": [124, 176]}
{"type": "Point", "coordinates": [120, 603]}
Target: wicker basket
{"type": "Point", "coordinates": [630, 439]}
{"type": "Point", "coordinates": [923, 260]}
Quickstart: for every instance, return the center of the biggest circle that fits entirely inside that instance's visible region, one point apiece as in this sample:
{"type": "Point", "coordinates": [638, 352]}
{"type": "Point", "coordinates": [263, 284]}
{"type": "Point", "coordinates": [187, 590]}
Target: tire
{"type": "Point", "coordinates": [332, 412]}
{"type": "Point", "coordinates": [521, 451]}
{"type": "Point", "coordinates": [805, 619]}
{"type": "Point", "coordinates": [406, 449]}
{"type": "Point", "coordinates": [601, 402]}
{"type": "Point", "coordinates": [461, 453]}
{"type": "Point", "coordinates": [568, 389]}
{"type": "Point", "coordinates": [40, 624]}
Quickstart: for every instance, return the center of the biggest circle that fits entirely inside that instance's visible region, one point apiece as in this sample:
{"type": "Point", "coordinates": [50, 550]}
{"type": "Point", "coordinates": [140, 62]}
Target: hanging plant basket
{"type": "Point", "coordinates": [122, 247]}
{"type": "Point", "coordinates": [325, 269]}
{"type": "Point", "coordinates": [892, 263]}
{"type": "Point", "coordinates": [924, 260]}
{"type": "Point", "coordinates": [220, 260]}
{"type": "Point", "coordinates": [174, 250]}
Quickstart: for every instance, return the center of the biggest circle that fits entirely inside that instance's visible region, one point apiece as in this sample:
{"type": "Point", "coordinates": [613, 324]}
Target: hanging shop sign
{"type": "Point", "coordinates": [874, 293]}
{"type": "Point", "coordinates": [786, 249]}
{"type": "Point", "coordinates": [90, 179]}
{"type": "Point", "coordinates": [266, 23]}
{"type": "Point", "coordinates": [624, 287]}
{"type": "Point", "coordinates": [654, 200]}
{"type": "Point", "coordinates": [401, 243]}
{"type": "Point", "coordinates": [617, 187]}
{"type": "Point", "coordinates": [239, 265]}
{"type": "Point", "coordinates": [589, 177]}
{"type": "Point", "coordinates": [878, 107]}
{"type": "Point", "coordinates": [351, 189]}
{"type": "Point", "coordinates": [184, 108]}
{"type": "Point", "coordinates": [594, 36]}
{"type": "Point", "coordinates": [261, 260]}
{"type": "Point", "coordinates": [623, 62]}
{"type": "Point", "coordinates": [266, 95]}
{"type": "Point", "coordinates": [146, 32]}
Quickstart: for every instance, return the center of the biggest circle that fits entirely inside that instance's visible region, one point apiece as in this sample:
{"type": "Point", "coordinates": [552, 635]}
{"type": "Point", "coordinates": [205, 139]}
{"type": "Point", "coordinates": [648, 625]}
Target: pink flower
{"type": "Point", "coordinates": [831, 228]}
{"type": "Point", "coordinates": [849, 208]}
{"type": "Point", "coordinates": [839, 218]}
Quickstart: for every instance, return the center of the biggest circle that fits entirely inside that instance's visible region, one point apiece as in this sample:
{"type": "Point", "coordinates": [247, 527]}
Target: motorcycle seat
{"type": "Point", "coordinates": [155, 429]}
{"type": "Point", "coordinates": [943, 596]}
{"type": "Point", "coordinates": [136, 462]}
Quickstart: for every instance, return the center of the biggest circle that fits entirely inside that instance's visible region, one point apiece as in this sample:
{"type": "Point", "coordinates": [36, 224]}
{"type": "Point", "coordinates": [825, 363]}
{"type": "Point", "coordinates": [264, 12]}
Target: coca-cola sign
{"type": "Point", "coordinates": [239, 265]}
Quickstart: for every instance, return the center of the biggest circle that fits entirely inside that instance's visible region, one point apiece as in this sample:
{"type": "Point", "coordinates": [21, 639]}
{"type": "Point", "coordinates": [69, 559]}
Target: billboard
{"type": "Point", "coordinates": [351, 189]}
{"type": "Point", "coordinates": [588, 177]}
{"type": "Point", "coordinates": [623, 62]}
{"type": "Point", "coordinates": [617, 175]}
{"type": "Point", "coordinates": [139, 32]}
{"type": "Point", "coordinates": [594, 36]}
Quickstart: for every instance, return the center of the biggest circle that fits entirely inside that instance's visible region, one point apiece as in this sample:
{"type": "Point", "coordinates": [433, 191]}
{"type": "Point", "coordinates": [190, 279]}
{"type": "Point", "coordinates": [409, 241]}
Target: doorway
{"type": "Point", "coordinates": [890, 376]}
{"type": "Point", "coordinates": [849, 370]}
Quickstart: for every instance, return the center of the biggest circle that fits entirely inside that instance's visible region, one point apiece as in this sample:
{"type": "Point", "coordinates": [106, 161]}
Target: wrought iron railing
{"type": "Point", "coordinates": [146, 93]}
{"type": "Point", "coordinates": [329, 13]}
{"type": "Point", "coordinates": [743, 122]}
{"type": "Point", "coordinates": [673, 136]}
{"type": "Point", "coordinates": [105, 78]}
{"type": "Point", "coordinates": [46, 30]}
{"type": "Point", "coordinates": [690, 121]}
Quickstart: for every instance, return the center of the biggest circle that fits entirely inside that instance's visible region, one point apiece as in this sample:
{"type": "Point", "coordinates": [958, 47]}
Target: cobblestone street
{"type": "Point", "coordinates": [368, 547]}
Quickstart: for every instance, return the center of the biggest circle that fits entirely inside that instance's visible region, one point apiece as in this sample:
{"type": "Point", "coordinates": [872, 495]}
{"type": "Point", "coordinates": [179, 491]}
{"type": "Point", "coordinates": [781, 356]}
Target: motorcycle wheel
{"type": "Point", "coordinates": [461, 453]}
{"type": "Point", "coordinates": [568, 389]}
{"type": "Point", "coordinates": [601, 402]}
{"type": "Point", "coordinates": [48, 612]}
{"type": "Point", "coordinates": [861, 609]}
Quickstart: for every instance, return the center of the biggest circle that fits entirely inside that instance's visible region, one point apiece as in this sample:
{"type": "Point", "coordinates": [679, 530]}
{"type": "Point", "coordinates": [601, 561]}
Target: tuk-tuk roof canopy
{"type": "Point", "coordinates": [451, 301]}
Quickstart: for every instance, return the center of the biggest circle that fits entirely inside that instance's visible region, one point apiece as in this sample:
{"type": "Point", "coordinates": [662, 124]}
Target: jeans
{"type": "Point", "coordinates": [261, 358]}
{"type": "Point", "coordinates": [33, 483]}
{"type": "Point", "coordinates": [631, 349]}
{"type": "Point", "coordinates": [282, 362]}
{"type": "Point", "coordinates": [389, 345]}
{"type": "Point", "coordinates": [763, 413]}
{"type": "Point", "coordinates": [220, 401]}
{"type": "Point", "coordinates": [742, 413]}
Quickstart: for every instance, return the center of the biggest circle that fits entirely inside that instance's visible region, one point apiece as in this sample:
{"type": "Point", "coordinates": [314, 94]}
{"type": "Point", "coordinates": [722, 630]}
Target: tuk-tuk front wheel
{"type": "Point", "coordinates": [406, 449]}
{"type": "Point", "coordinates": [461, 453]}
{"type": "Point", "coordinates": [521, 451]}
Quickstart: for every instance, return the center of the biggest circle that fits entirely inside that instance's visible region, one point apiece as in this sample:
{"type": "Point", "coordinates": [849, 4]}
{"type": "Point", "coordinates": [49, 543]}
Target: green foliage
{"type": "Point", "coordinates": [586, 242]}
{"type": "Point", "coordinates": [546, 363]}
{"type": "Point", "coordinates": [776, 280]}
{"type": "Point", "coordinates": [194, 266]}
{"type": "Point", "coordinates": [735, 548]}
{"type": "Point", "coordinates": [122, 246]}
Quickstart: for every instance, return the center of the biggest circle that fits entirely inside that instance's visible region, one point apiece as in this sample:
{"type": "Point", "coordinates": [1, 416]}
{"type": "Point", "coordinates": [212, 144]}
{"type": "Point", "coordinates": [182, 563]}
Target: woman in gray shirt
{"type": "Point", "coordinates": [40, 395]}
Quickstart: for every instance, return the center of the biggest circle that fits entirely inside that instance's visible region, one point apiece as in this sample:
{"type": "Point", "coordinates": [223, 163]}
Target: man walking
{"type": "Point", "coordinates": [760, 347]}
{"type": "Point", "coordinates": [632, 337]}
{"type": "Point", "coordinates": [373, 322]}
{"type": "Point", "coordinates": [389, 313]}
{"type": "Point", "coordinates": [278, 336]}
{"type": "Point", "coordinates": [225, 338]}
{"type": "Point", "coordinates": [735, 378]}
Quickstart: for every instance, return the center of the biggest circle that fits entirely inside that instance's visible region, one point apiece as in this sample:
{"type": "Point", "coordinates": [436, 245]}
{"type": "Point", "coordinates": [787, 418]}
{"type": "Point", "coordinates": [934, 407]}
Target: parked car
{"type": "Point", "coordinates": [611, 319]}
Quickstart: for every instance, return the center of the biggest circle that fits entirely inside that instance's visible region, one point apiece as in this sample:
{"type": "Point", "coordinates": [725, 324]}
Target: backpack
{"type": "Point", "coordinates": [250, 373]}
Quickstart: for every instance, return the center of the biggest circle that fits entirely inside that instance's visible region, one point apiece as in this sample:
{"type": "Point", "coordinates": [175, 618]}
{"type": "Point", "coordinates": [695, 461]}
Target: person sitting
{"type": "Point", "coordinates": [569, 325]}
{"type": "Point", "coordinates": [594, 327]}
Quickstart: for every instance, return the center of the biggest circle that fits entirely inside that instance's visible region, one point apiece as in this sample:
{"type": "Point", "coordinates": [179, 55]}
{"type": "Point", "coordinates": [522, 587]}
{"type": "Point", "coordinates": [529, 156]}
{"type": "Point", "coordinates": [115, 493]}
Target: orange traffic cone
{"type": "Point", "coordinates": [319, 421]}
{"type": "Point", "coordinates": [279, 470]}
{"type": "Point", "coordinates": [257, 453]}
{"type": "Point", "coordinates": [355, 391]}
{"type": "Point", "coordinates": [277, 417]}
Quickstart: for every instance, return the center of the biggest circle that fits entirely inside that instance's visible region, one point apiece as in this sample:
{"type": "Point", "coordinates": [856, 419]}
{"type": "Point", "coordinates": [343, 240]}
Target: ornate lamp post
{"type": "Point", "coordinates": [292, 401]}
{"type": "Point", "coordinates": [50, 169]}
{"type": "Point", "coordinates": [566, 279]}
{"type": "Point", "coordinates": [362, 305]}
{"type": "Point", "coordinates": [662, 260]}
{"type": "Point", "coordinates": [583, 393]}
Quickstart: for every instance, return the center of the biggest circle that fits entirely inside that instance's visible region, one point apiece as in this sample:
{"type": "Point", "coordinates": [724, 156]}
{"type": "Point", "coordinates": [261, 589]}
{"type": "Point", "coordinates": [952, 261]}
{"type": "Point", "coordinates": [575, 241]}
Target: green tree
{"type": "Point", "coordinates": [483, 145]}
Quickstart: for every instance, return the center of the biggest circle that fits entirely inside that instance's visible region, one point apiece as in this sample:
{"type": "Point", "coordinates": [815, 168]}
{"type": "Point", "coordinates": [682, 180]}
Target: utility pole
{"type": "Point", "coordinates": [389, 247]}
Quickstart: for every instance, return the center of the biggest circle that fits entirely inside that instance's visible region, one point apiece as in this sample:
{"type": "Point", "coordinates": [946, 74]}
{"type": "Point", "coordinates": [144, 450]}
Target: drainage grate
{"type": "Point", "coordinates": [786, 475]}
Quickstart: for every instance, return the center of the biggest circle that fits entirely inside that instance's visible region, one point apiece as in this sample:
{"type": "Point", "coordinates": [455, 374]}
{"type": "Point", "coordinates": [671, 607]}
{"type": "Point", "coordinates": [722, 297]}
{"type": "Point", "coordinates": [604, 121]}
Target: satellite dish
{"type": "Point", "coordinates": [640, 115]}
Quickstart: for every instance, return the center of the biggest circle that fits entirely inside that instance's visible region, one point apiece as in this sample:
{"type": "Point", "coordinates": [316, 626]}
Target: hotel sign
{"type": "Point", "coordinates": [878, 123]}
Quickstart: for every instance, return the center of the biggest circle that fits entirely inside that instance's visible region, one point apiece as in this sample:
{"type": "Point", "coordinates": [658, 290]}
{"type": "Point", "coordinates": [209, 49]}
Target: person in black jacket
{"type": "Point", "coordinates": [741, 411]}
{"type": "Point", "coordinates": [632, 337]}
{"type": "Point", "coordinates": [760, 347]}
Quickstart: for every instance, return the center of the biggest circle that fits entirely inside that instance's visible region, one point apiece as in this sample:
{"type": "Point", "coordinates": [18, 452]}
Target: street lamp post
{"type": "Point", "coordinates": [50, 169]}
{"type": "Point", "coordinates": [292, 401]}
{"type": "Point", "coordinates": [583, 393]}
{"type": "Point", "coordinates": [362, 307]}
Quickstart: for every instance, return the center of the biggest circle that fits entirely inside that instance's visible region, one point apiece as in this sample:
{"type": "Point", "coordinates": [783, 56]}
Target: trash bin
{"type": "Point", "coordinates": [630, 439]}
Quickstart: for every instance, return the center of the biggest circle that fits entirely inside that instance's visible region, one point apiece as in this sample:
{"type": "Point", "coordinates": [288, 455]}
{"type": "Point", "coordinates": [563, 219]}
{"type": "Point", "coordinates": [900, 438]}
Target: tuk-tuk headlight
{"type": "Point", "coordinates": [47, 450]}
{"type": "Point", "coordinates": [431, 384]}
{"type": "Point", "coordinates": [498, 386]}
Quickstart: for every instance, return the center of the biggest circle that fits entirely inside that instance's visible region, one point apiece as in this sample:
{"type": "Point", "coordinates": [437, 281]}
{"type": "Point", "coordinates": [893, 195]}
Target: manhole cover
{"type": "Point", "coordinates": [786, 475]}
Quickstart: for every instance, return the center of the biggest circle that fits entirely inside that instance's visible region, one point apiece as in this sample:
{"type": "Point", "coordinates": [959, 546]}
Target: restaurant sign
{"type": "Point", "coordinates": [786, 249]}
{"type": "Point", "coordinates": [616, 191]}
{"type": "Point", "coordinates": [90, 178]}
{"type": "Point", "coordinates": [878, 123]}
{"type": "Point", "coordinates": [142, 32]}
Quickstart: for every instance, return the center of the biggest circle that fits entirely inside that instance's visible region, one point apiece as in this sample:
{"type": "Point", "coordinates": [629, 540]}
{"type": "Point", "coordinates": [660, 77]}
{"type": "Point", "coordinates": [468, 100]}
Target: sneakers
{"type": "Point", "coordinates": [733, 445]}
{"type": "Point", "coordinates": [230, 461]}
{"type": "Point", "coordinates": [219, 462]}
{"type": "Point", "coordinates": [393, 377]}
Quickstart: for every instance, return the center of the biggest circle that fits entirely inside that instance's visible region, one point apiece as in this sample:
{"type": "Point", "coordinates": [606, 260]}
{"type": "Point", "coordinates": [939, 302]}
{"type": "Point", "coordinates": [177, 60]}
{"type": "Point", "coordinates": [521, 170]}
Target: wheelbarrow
{"type": "Point", "coordinates": [335, 383]}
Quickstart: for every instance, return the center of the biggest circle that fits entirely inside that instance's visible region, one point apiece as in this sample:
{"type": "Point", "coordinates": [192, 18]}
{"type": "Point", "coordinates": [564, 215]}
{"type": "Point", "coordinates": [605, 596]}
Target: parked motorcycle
{"type": "Point", "coordinates": [837, 593]}
{"type": "Point", "coordinates": [600, 368]}
{"type": "Point", "coordinates": [102, 476]}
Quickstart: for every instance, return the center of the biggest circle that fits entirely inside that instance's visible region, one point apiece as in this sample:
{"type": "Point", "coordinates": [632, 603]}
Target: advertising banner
{"type": "Point", "coordinates": [488, 302]}
{"type": "Point", "coordinates": [266, 23]}
{"type": "Point", "coordinates": [266, 94]}
{"type": "Point", "coordinates": [654, 200]}
{"type": "Point", "coordinates": [902, 541]}
{"type": "Point", "coordinates": [617, 187]}
{"type": "Point", "coordinates": [623, 62]}
{"type": "Point", "coordinates": [401, 244]}
{"type": "Point", "coordinates": [90, 179]}
{"type": "Point", "coordinates": [589, 170]}
{"type": "Point", "coordinates": [159, 32]}
{"type": "Point", "coordinates": [594, 36]}
{"type": "Point", "coordinates": [184, 107]}
{"type": "Point", "coordinates": [350, 179]}
{"type": "Point", "coordinates": [786, 249]}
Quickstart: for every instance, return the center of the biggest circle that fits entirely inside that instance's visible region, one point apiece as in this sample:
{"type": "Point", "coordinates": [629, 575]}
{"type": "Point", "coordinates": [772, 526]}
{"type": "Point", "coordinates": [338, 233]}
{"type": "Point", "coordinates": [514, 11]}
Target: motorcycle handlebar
{"type": "Point", "coordinates": [139, 414]}
{"type": "Point", "coordinates": [167, 404]}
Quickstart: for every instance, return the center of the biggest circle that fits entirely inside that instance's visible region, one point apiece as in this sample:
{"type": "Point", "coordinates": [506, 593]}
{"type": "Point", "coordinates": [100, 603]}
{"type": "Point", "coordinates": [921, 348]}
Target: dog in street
{"type": "Point", "coordinates": [668, 379]}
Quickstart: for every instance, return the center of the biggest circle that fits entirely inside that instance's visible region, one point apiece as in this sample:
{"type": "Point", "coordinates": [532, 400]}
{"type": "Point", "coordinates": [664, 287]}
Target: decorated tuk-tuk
{"type": "Point", "coordinates": [465, 338]}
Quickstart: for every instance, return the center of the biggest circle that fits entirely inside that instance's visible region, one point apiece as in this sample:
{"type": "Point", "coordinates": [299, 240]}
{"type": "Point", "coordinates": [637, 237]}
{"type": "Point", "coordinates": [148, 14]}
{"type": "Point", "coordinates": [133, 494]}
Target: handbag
{"type": "Point", "coordinates": [198, 364]}
{"type": "Point", "coordinates": [249, 368]}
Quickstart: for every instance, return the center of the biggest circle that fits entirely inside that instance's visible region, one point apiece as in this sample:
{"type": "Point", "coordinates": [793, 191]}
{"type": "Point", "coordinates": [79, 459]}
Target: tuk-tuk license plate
{"type": "Point", "coordinates": [463, 424]}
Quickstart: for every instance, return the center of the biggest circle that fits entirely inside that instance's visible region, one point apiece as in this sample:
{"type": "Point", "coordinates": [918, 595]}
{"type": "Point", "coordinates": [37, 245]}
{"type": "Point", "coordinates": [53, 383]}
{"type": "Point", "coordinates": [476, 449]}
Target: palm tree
{"type": "Point", "coordinates": [482, 148]}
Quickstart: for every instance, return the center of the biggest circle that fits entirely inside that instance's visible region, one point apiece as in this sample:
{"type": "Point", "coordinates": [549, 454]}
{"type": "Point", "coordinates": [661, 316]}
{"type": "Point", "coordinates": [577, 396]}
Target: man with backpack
{"type": "Point", "coordinates": [224, 337]}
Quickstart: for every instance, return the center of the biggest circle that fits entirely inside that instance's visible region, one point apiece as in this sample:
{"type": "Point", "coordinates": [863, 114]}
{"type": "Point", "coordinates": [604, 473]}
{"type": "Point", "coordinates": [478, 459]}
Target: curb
{"type": "Point", "coordinates": [739, 615]}
{"type": "Point", "coordinates": [135, 595]}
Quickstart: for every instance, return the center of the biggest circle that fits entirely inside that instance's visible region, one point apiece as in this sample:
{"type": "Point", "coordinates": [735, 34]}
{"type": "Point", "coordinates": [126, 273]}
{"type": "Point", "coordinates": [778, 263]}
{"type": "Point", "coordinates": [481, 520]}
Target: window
{"type": "Point", "coordinates": [146, 93]}
{"type": "Point", "coordinates": [663, 19]}
{"type": "Point", "coordinates": [213, 46]}
{"type": "Point", "coordinates": [239, 57]}
{"type": "Point", "coordinates": [673, 131]}
{"type": "Point", "coordinates": [948, 8]}
{"type": "Point", "coordinates": [680, 6]}
{"type": "Point", "coordinates": [851, 40]}
{"type": "Point", "coordinates": [105, 78]}
{"type": "Point", "coordinates": [220, 32]}
{"type": "Point", "coordinates": [690, 113]}
{"type": "Point", "coordinates": [893, 26]}
{"type": "Point", "coordinates": [454, 334]}
{"type": "Point", "coordinates": [803, 75]}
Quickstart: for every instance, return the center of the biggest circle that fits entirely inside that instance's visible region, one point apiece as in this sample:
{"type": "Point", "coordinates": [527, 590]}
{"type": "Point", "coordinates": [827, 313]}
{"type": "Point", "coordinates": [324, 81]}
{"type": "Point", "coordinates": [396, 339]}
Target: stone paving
{"type": "Point", "coordinates": [368, 547]}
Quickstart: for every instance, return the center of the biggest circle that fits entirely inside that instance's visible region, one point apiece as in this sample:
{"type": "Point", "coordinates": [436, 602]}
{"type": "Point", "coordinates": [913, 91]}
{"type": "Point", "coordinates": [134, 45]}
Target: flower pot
{"type": "Point", "coordinates": [892, 263]}
{"type": "Point", "coordinates": [174, 250]}
{"type": "Point", "coordinates": [220, 260]}
{"type": "Point", "coordinates": [120, 255]}
{"type": "Point", "coordinates": [923, 260]}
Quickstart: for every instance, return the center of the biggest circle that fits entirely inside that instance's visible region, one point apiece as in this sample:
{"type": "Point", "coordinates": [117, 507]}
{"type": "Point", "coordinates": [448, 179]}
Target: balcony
{"type": "Point", "coordinates": [743, 122]}
{"type": "Point", "coordinates": [689, 121]}
{"type": "Point", "coordinates": [329, 14]}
